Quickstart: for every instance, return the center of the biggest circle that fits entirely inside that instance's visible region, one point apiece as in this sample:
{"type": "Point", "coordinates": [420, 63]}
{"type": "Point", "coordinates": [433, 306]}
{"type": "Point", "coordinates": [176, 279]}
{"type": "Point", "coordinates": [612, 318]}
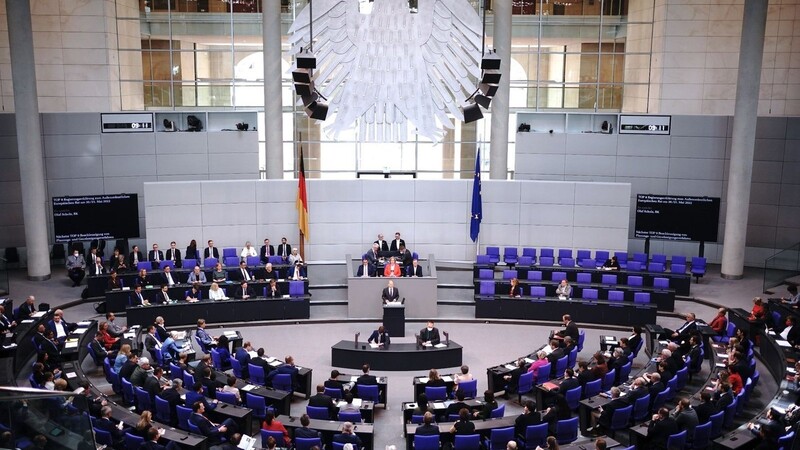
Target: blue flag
{"type": "Point", "coordinates": [477, 203]}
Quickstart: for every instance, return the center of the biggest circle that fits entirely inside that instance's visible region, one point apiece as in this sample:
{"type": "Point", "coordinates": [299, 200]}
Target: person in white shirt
{"type": "Point", "coordinates": [168, 279]}
{"type": "Point", "coordinates": [248, 250]}
{"type": "Point", "coordinates": [295, 257]}
{"type": "Point", "coordinates": [231, 388]}
{"type": "Point", "coordinates": [463, 376]}
{"type": "Point", "coordinates": [215, 293]}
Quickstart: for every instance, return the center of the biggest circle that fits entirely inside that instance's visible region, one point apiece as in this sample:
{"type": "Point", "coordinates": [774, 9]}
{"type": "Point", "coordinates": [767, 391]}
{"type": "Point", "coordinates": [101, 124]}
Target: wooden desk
{"type": "Point", "coordinates": [419, 383]}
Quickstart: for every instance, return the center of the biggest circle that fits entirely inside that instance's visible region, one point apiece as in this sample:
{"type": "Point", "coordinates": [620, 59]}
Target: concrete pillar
{"type": "Point", "coordinates": [29, 139]}
{"type": "Point", "coordinates": [469, 137]}
{"type": "Point", "coordinates": [498, 152]}
{"type": "Point", "coordinates": [311, 148]}
{"type": "Point", "coordinates": [740, 174]}
{"type": "Point", "coordinates": [273, 107]}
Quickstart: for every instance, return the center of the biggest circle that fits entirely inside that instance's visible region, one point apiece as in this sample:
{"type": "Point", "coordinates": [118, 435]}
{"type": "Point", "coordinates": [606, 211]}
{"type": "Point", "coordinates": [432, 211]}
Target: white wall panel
{"type": "Point", "coordinates": [72, 145]}
{"type": "Point", "coordinates": [548, 192]}
{"type": "Point", "coordinates": [73, 167]}
{"type": "Point", "coordinates": [386, 191]}
{"type": "Point", "coordinates": [225, 192]}
{"type": "Point", "coordinates": [435, 191]}
{"type": "Point", "coordinates": [442, 212]}
{"type": "Point", "coordinates": [184, 193]}
{"type": "Point", "coordinates": [601, 216]}
{"type": "Point", "coordinates": [229, 213]}
{"type": "Point", "coordinates": [611, 194]}
{"type": "Point", "coordinates": [126, 143]}
{"type": "Point", "coordinates": [559, 215]}
{"type": "Point", "coordinates": [182, 165]}
{"type": "Point", "coordinates": [590, 165]}
{"type": "Point", "coordinates": [125, 166]}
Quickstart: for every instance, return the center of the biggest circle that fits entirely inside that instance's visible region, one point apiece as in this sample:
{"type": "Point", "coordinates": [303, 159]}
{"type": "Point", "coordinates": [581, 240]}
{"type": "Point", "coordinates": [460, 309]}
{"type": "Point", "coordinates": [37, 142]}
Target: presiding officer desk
{"type": "Point", "coordinates": [183, 313]}
{"type": "Point", "coordinates": [553, 309]}
{"type": "Point", "coordinates": [364, 293]}
{"type": "Point", "coordinates": [395, 357]}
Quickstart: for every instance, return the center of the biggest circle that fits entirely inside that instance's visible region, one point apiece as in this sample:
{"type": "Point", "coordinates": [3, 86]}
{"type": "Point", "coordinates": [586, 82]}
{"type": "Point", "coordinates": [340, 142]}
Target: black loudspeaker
{"type": "Point", "coordinates": [472, 112]}
{"type": "Point", "coordinates": [317, 110]}
{"type": "Point", "coordinates": [490, 61]}
{"type": "Point", "coordinates": [301, 76]}
{"type": "Point", "coordinates": [306, 61]}
{"type": "Point", "coordinates": [303, 89]}
{"type": "Point", "coordinates": [488, 89]}
{"type": "Point", "coordinates": [483, 100]}
{"type": "Point", "coordinates": [490, 77]}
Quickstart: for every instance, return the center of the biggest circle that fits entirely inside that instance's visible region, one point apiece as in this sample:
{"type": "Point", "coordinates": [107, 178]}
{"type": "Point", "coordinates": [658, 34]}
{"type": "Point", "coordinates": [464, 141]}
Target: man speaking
{"type": "Point", "coordinates": [390, 293]}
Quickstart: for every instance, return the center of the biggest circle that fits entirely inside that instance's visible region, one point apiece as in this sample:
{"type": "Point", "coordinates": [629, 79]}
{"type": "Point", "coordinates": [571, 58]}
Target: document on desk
{"type": "Point", "coordinates": [791, 370]}
{"type": "Point", "coordinates": [71, 375]}
{"type": "Point", "coordinates": [439, 405]}
{"type": "Point", "coordinates": [440, 345]}
{"type": "Point", "coordinates": [424, 380]}
{"type": "Point", "coordinates": [353, 378]}
{"type": "Point", "coordinates": [249, 387]}
{"type": "Point", "coordinates": [252, 354]}
{"type": "Point", "coordinates": [73, 344]}
{"type": "Point", "coordinates": [547, 350]}
{"type": "Point", "coordinates": [783, 343]}
{"type": "Point", "coordinates": [230, 334]}
{"type": "Point", "coordinates": [528, 361]}
{"type": "Point", "coordinates": [722, 355]}
{"type": "Point", "coordinates": [357, 402]}
{"type": "Point", "coordinates": [510, 366]}
{"type": "Point", "coordinates": [84, 323]}
{"type": "Point", "coordinates": [38, 314]}
{"type": "Point", "coordinates": [447, 379]}
{"type": "Point", "coordinates": [373, 345]}
{"type": "Point", "coordinates": [80, 330]}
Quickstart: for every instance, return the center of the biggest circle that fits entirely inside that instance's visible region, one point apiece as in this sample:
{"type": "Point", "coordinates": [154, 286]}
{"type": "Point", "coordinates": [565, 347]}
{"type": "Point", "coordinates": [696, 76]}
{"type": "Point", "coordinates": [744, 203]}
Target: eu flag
{"type": "Point", "coordinates": [477, 204]}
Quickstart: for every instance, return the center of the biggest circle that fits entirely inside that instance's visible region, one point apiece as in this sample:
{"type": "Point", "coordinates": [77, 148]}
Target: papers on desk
{"type": "Point", "coordinates": [9, 346]}
{"type": "Point", "coordinates": [610, 338]}
{"type": "Point", "coordinates": [84, 323]}
{"type": "Point", "coordinates": [230, 334]}
{"type": "Point", "coordinates": [80, 330]}
{"type": "Point", "coordinates": [275, 363]}
{"type": "Point", "coordinates": [528, 361]}
{"type": "Point", "coordinates": [720, 365]}
{"type": "Point", "coordinates": [373, 345]}
{"type": "Point", "coordinates": [252, 354]}
{"type": "Point", "coordinates": [247, 443]}
{"type": "Point", "coordinates": [783, 343]}
{"type": "Point", "coordinates": [547, 350]}
{"type": "Point", "coordinates": [439, 405]}
{"type": "Point", "coordinates": [447, 379]}
{"type": "Point", "coordinates": [440, 345]}
{"type": "Point", "coordinates": [663, 342]}
{"type": "Point", "coordinates": [270, 359]}
{"type": "Point", "coordinates": [285, 296]}
{"type": "Point", "coordinates": [249, 387]}
{"type": "Point", "coordinates": [38, 314]}
{"type": "Point", "coordinates": [126, 288]}
{"type": "Point", "coordinates": [510, 366]}
{"type": "Point", "coordinates": [427, 344]}
{"type": "Point", "coordinates": [424, 380]}
{"type": "Point", "coordinates": [27, 321]}
{"type": "Point", "coordinates": [722, 355]}
{"type": "Point", "coordinates": [73, 344]}
{"type": "Point", "coordinates": [353, 378]}
{"type": "Point", "coordinates": [791, 370]}
{"type": "Point", "coordinates": [71, 375]}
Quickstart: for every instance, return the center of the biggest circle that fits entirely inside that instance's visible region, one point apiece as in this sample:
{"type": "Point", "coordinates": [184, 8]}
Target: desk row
{"type": "Point", "coordinates": [553, 309]}
{"type": "Point", "coordinates": [225, 311]}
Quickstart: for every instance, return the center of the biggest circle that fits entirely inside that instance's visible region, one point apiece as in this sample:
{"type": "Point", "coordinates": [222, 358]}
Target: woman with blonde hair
{"type": "Point", "coordinates": [122, 356]}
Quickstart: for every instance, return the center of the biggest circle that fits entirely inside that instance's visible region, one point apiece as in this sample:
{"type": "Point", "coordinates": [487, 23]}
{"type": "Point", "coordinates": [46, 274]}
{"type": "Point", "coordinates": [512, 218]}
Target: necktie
{"type": "Point", "coordinates": [391, 291]}
{"type": "Point", "coordinates": [156, 256]}
{"type": "Point", "coordinates": [141, 300]}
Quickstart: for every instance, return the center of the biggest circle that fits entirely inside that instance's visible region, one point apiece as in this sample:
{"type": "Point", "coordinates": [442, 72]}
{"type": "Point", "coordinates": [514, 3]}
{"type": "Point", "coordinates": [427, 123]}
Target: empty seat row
{"type": "Point", "coordinates": [583, 278]}
{"type": "Point", "coordinates": [488, 288]}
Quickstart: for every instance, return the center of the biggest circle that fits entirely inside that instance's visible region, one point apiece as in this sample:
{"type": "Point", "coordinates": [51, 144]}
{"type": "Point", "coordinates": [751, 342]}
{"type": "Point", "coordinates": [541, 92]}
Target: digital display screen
{"type": "Point", "coordinates": [83, 218]}
{"type": "Point", "coordinates": [677, 218]}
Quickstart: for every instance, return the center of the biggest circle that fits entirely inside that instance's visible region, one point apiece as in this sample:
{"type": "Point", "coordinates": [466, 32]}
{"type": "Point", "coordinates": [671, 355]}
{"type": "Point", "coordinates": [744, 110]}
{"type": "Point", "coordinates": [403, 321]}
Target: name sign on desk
{"type": "Point", "coordinates": [645, 124]}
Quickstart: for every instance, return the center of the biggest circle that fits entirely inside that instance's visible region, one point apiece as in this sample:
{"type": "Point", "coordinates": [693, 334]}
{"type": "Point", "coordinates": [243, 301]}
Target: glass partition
{"type": "Point", "coordinates": [781, 266]}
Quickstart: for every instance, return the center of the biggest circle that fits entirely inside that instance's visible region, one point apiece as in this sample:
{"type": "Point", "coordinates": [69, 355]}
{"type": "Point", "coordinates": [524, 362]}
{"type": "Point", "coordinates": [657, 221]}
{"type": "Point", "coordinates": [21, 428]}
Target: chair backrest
{"type": "Point", "coordinates": [236, 366]}
{"type": "Point", "coordinates": [133, 442]}
{"type": "Point", "coordinates": [543, 374]}
{"type": "Point", "coordinates": [228, 252]}
{"type": "Point", "coordinates": [350, 416]}
{"type": "Point", "coordinates": [660, 399]}
{"type": "Point", "coordinates": [622, 257]}
{"type": "Point", "coordinates": [485, 274]}
{"type": "Point", "coordinates": [659, 258]}
{"type": "Point", "coordinates": [189, 263]}
{"type": "Point", "coordinates": [282, 382]}
{"type": "Point", "coordinates": [624, 372]}
{"type": "Point", "coordinates": [163, 410]}
{"type": "Point", "coordinates": [209, 263]}
{"type": "Point", "coordinates": [616, 296]}
{"type": "Point", "coordinates": [127, 392]}
{"type": "Point", "coordinates": [470, 388]}
{"type": "Point", "coordinates": [368, 392]}
{"type": "Point", "coordinates": [538, 291]}
{"type": "Point", "coordinates": [592, 388]}
{"type": "Point", "coordinates": [717, 421]}
{"type": "Point", "coordinates": [584, 277]}
{"type": "Point", "coordinates": [621, 417]}
{"type": "Point", "coordinates": [426, 442]}
{"type": "Point", "coordinates": [546, 260]}
{"type": "Point", "coordinates": [641, 297]}
{"type": "Point", "coordinates": [698, 263]}
{"type": "Point", "coordinates": [583, 254]}
{"type": "Point", "coordinates": [546, 252]}
{"type": "Point", "coordinates": [678, 259]}
{"type": "Point", "coordinates": [640, 257]}
{"type": "Point", "coordinates": [702, 436]}
{"type": "Point", "coordinates": [509, 274]}
{"type": "Point", "coordinates": [436, 393]}
{"type": "Point", "coordinates": [143, 401]}
{"type": "Point", "coordinates": [417, 418]}
{"type": "Point", "coordinates": [467, 442]}
{"type": "Point", "coordinates": [183, 414]}
{"type": "Point", "coordinates": [498, 412]}
{"type": "Point", "coordinates": [487, 287]}
{"type": "Point", "coordinates": [590, 294]}
{"type": "Point", "coordinates": [600, 257]}
{"type": "Point", "coordinates": [573, 397]}
{"type": "Point", "coordinates": [655, 267]}
{"type": "Point", "coordinates": [216, 359]}
{"type": "Point", "coordinates": [493, 251]}
{"type": "Point", "coordinates": [144, 265]}
{"type": "Point", "coordinates": [536, 436]}
{"type": "Point", "coordinates": [510, 251]}
{"type": "Point", "coordinates": [561, 366]}
{"type": "Point", "coordinates": [256, 374]}
{"type": "Point", "coordinates": [677, 440]}
{"type": "Point", "coordinates": [672, 384]}
{"type": "Point", "coordinates": [166, 263]}
{"type": "Point", "coordinates": [103, 437]}
{"type": "Point", "coordinates": [499, 437]}
{"type": "Point", "coordinates": [581, 340]}
{"type": "Point", "coordinates": [535, 275]}
{"type": "Point", "coordinates": [682, 377]}
{"type": "Point", "coordinates": [333, 392]}
{"type": "Point", "coordinates": [529, 251]}
{"type": "Point", "coordinates": [567, 431]}
{"type": "Point", "coordinates": [275, 260]}
{"type": "Point", "coordinates": [525, 261]}
{"type": "Point", "coordinates": [231, 261]}
{"type": "Point", "coordinates": [558, 276]}
{"type": "Point", "coordinates": [641, 408]}
{"type": "Point", "coordinates": [608, 278]}
{"type": "Point", "coordinates": [296, 288]}
{"type": "Point", "coordinates": [277, 435]}
{"type": "Point", "coordinates": [567, 262]}
{"type": "Point", "coordinates": [785, 442]}
{"type": "Point", "coordinates": [573, 357]}
{"type": "Point", "coordinates": [634, 265]}
{"type": "Point", "coordinates": [318, 412]}
{"type": "Point", "coordinates": [634, 280]}
{"type": "Point", "coordinates": [307, 443]}
{"type": "Point", "coordinates": [588, 263]}
{"type": "Point", "coordinates": [609, 378]}
{"type": "Point", "coordinates": [677, 268]}
{"type": "Point", "coordinates": [194, 428]}
{"type": "Point", "coordinates": [226, 397]}
{"type": "Point", "coordinates": [564, 253]}
{"type": "Point", "coordinates": [253, 261]}
{"type": "Point", "coordinates": [483, 260]}
{"type": "Point", "coordinates": [258, 404]}
{"type": "Point", "coordinates": [525, 383]}
{"type": "Point", "coordinates": [661, 283]}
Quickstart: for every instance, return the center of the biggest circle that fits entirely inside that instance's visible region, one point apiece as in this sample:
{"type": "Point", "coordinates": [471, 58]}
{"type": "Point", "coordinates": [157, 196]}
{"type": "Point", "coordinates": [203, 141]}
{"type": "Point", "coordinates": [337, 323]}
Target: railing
{"type": "Point", "coordinates": [5, 288]}
{"type": "Point", "coordinates": [781, 266]}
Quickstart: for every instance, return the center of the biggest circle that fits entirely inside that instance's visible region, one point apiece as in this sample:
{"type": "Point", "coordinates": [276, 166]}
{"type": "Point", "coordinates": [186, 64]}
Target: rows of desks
{"type": "Point", "coordinates": [552, 309]}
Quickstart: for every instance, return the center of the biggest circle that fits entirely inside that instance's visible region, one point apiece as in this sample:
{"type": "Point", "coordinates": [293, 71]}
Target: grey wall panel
{"type": "Point", "coordinates": [198, 177]}
{"type": "Point", "coordinates": [223, 192]}
{"type": "Point", "coordinates": [590, 165]}
{"type": "Point", "coordinates": [336, 212]}
{"type": "Point", "coordinates": [767, 171]}
{"type": "Point", "coordinates": [284, 191]}
{"type": "Point", "coordinates": [233, 176]}
{"type": "Point", "coordinates": [699, 126]}
{"type": "Point", "coordinates": [128, 185]}
{"type": "Point", "coordinates": [592, 144]}
{"type": "Point", "coordinates": [493, 192]}
{"type": "Point", "coordinates": [385, 212]}
{"type": "Point", "coordinates": [548, 193]}
{"type": "Point", "coordinates": [435, 191]}
{"type": "Point", "coordinates": [86, 186]}
{"type": "Point", "coordinates": [646, 185]}
{"type": "Point", "coordinates": [275, 213]}
{"type": "Point", "coordinates": [790, 195]}
{"type": "Point", "coordinates": [444, 252]}
{"type": "Point", "coordinates": [546, 236]}
{"type": "Point", "coordinates": [771, 127]}
{"type": "Point", "coordinates": [71, 123]}
{"type": "Point", "coordinates": [791, 173]}
{"type": "Point", "coordinates": [500, 234]}
{"type": "Point", "coordinates": [442, 212]}
{"type": "Point", "coordinates": [231, 142]}
{"type": "Point", "coordinates": [789, 217]}
{"type": "Point", "coordinates": [396, 191]}
{"type": "Point", "coordinates": [593, 238]}
{"type": "Point", "coordinates": [760, 236]}
{"type": "Point", "coordinates": [72, 145]}
{"type": "Point", "coordinates": [642, 167]}
{"type": "Point", "coordinates": [184, 193]}
{"type": "Point", "coordinates": [764, 215]}
{"type": "Point", "coordinates": [698, 147]}
{"type": "Point", "coordinates": [129, 143]}
{"type": "Point", "coordinates": [793, 128]}
{"type": "Point", "coordinates": [792, 151]}
{"type": "Point", "coordinates": [436, 233]}
{"type": "Point", "coordinates": [591, 178]}
{"type": "Point", "coordinates": [229, 235]}
{"type": "Point", "coordinates": [12, 214]}
{"type": "Point", "coordinates": [333, 190]}
{"type": "Point", "coordinates": [8, 147]}
{"type": "Point", "coordinates": [695, 169]}
{"type": "Point", "coordinates": [500, 213]}
{"type": "Point", "coordinates": [163, 236]}
{"type": "Point", "coordinates": [636, 145]}
{"type": "Point", "coordinates": [125, 166]}
{"type": "Point", "coordinates": [695, 187]}
{"type": "Point", "coordinates": [8, 125]}
{"type": "Point", "coordinates": [763, 193]}
{"type": "Point", "coordinates": [182, 165]}
{"type": "Point", "coordinates": [12, 192]}
{"type": "Point", "coordinates": [231, 163]}
{"type": "Point", "coordinates": [770, 150]}
{"type": "Point", "coordinates": [229, 213]}
{"type": "Point", "coordinates": [786, 237]}
{"type": "Point", "coordinates": [73, 167]}
{"type": "Point", "coordinates": [547, 164]}
{"type": "Point", "coordinates": [173, 216]}
{"type": "Point", "coordinates": [13, 236]}
{"type": "Point", "coordinates": [558, 215]}
{"type": "Point", "coordinates": [342, 233]}
{"type": "Point", "coordinates": [181, 143]}
{"type": "Point", "coordinates": [539, 143]}
{"type": "Point", "coordinates": [601, 216]}
{"type": "Point", "coordinates": [611, 194]}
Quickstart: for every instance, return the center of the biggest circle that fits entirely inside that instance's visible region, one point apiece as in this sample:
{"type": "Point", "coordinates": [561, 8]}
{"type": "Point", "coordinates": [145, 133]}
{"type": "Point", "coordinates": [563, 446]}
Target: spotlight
{"type": "Point", "coordinates": [306, 61]}
{"type": "Point", "coordinates": [472, 112]}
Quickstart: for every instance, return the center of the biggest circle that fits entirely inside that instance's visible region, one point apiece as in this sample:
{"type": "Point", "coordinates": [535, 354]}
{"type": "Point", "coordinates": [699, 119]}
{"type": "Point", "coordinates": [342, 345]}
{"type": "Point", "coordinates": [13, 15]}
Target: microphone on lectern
{"type": "Point", "coordinates": [356, 338]}
{"type": "Point", "coordinates": [446, 338]}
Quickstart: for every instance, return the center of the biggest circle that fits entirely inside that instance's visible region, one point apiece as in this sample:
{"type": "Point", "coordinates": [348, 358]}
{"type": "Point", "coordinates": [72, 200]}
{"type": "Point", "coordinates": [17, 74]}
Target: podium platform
{"type": "Point", "coordinates": [394, 319]}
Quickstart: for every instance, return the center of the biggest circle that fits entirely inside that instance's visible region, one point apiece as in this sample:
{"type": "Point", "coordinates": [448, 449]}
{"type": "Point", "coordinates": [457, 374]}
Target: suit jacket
{"type": "Point", "coordinates": [397, 272]}
{"type": "Point", "coordinates": [51, 324]}
{"type": "Point", "coordinates": [370, 270]}
{"type": "Point", "coordinates": [203, 335]}
{"type": "Point", "coordinates": [455, 407]}
{"type": "Point", "coordinates": [106, 424]}
{"type": "Point", "coordinates": [214, 253]}
{"type": "Point", "coordinates": [608, 410]}
{"type": "Point", "coordinates": [379, 338]}
{"type": "Point", "coordinates": [659, 431]}
{"type": "Point", "coordinates": [284, 250]}
{"type": "Point", "coordinates": [390, 298]}
{"type": "Point", "coordinates": [306, 433]}
{"type": "Point", "coordinates": [523, 421]}
{"type": "Point", "coordinates": [635, 394]}
{"type": "Point", "coordinates": [174, 255]}
{"type": "Point", "coordinates": [432, 336]}
{"type": "Point", "coordinates": [173, 275]}
{"type": "Point", "coordinates": [162, 333]}
{"type": "Point", "coordinates": [794, 335]}
{"type": "Point", "coordinates": [151, 255]}
{"type": "Point", "coordinates": [367, 380]}
{"type": "Point", "coordinates": [372, 257]}
{"type": "Point", "coordinates": [261, 362]}
{"type": "Point", "coordinates": [207, 428]}
{"type": "Point", "coordinates": [193, 278]}
{"type": "Point", "coordinates": [240, 292]}
{"type": "Point", "coordinates": [162, 297]}
{"type": "Point", "coordinates": [686, 330]}
{"type": "Point", "coordinates": [394, 247]}
{"type": "Point", "coordinates": [412, 272]}
{"type": "Point", "coordinates": [150, 445]}
{"type": "Point", "coordinates": [724, 400]}
{"type": "Point", "coordinates": [152, 387]}
{"type": "Point", "coordinates": [705, 411]}
{"type": "Point", "coordinates": [571, 330]}
{"type": "Point", "coordinates": [150, 343]}
{"type": "Point", "coordinates": [5, 323]}
{"type": "Point", "coordinates": [243, 357]}
{"type": "Point", "coordinates": [323, 401]}
{"type": "Point", "coordinates": [633, 342]}
{"type": "Point", "coordinates": [567, 384]}
{"type": "Point", "coordinates": [383, 245]}
{"type": "Point", "coordinates": [94, 270]}
{"type": "Point", "coordinates": [266, 252]}
{"type": "Point", "coordinates": [351, 439]}
{"type": "Point", "coordinates": [405, 258]}
{"type": "Point", "coordinates": [25, 310]}
{"type": "Point", "coordinates": [427, 430]}
{"type": "Point", "coordinates": [237, 275]}
{"type": "Point", "coordinates": [139, 257]}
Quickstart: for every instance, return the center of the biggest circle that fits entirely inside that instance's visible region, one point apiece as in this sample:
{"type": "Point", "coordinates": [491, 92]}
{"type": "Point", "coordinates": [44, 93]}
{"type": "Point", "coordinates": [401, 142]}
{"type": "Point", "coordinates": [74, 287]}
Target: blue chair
{"type": "Point", "coordinates": [210, 263]}
{"type": "Point", "coordinates": [236, 366]}
{"type": "Point", "coordinates": [494, 254]}
{"type": "Point", "coordinates": [634, 266]}
{"type": "Point", "coordinates": [469, 388]}
{"type": "Point", "coordinates": [525, 261]}
{"type": "Point", "coordinates": [581, 340]}
{"type": "Point", "coordinates": [200, 344]}
{"type": "Point", "coordinates": [543, 375]}
{"type": "Point", "coordinates": [368, 392]}
{"type": "Point", "coordinates": [188, 380]}
{"type": "Point", "coordinates": [547, 252]}
{"type": "Point", "coordinates": [485, 274]}
{"type": "Point", "coordinates": [436, 393]}
{"type": "Point", "coordinates": [277, 435]}
{"type": "Point", "coordinates": [103, 437]}
{"type": "Point", "coordinates": [584, 278]}
{"type": "Point", "coordinates": [635, 280]}
{"type": "Point", "coordinates": [717, 421]}
{"type": "Point", "coordinates": [216, 360]}
{"type": "Point", "coordinates": [509, 274]}
{"type": "Point", "coordinates": [583, 255]}
{"type": "Point", "coordinates": [608, 278]}
{"type": "Point", "coordinates": [682, 377]}
{"type": "Point", "coordinates": [698, 267]}
{"type": "Point", "coordinates": [641, 298]}
{"type": "Point", "coordinates": [678, 259]}
{"type": "Point", "coordinates": [536, 436]}
{"type": "Point", "coordinates": [163, 410]}
{"type": "Point", "coordinates": [147, 265]}
{"type": "Point", "coordinates": [730, 332]}
{"type": "Point", "coordinates": [573, 397]}
{"type": "Point", "coordinates": [561, 366]}
{"type": "Point", "coordinates": [655, 267]}
{"type": "Point", "coordinates": [677, 440]}
{"type": "Point", "coordinates": [487, 288]}
{"type": "Point", "coordinates": [660, 399]}
{"type": "Point", "coordinates": [661, 283]}
{"type": "Point", "coordinates": [672, 385]}
{"type": "Point", "coordinates": [587, 264]}
{"type": "Point", "coordinates": [333, 392]}
{"type": "Point", "coordinates": [573, 358]}
{"type": "Point", "coordinates": [564, 253]}
{"type": "Point", "coordinates": [785, 442]}
{"type": "Point", "coordinates": [498, 412]}
{"type": "Point", "coordinates": [94, 355]}
{"type": "Point", "coordinates": [547, 261]}
{"type": "Point", "coordinates": [194, 428]}
{"type": "Point", "coordinates": [189, 263]}
{"type": "Point", "coordinates": [567, 431]}
{"type": "Point", "coordinates": [677, 268]}
{"type": "Point", "coordinates": [590, 294]}
{"type": "Point", "coordinates": [253, 261]}
{"type": "Point", "coordinates": [702, 436]}
{"type": "Point", "coordinates": [183, 414]}
{"type": "Point", "coordinates": [467, 442]}
{"type": "Point", "coordinates": [609, 379]}
{"type": "Point", "coordinates": [525, 384]}
{"type": "Point", "coordinates": [259, 406]}
{"type": "Point", "coordinates": [33, 382]}
{"type": "Point", "coordinates": [226, 397]}
{"type": "Point", "coordinates": [538, 292]}
{"type": "Point", "coordinates": [535, 275]}
{"type": "Point", "coordinates": [620, 419]}
{"type": "Point", "coordinates": [616, 296]}
{"type": "Point", "coordinates": [558, 276]}
{"type": "Point", "coordinates": [592, 388]}
{"type": "Point", "coordinates": [256, 374]}
{"type": "Point", "coordinates": [296, 288]}
{"type": "Point", "coordinates": [510, 255]}
{"type": "Point", "coordinates": [350, 416]}
{"type": "Point", "coordinates": [483, 260]}
{"type": "Point", "coordinates": [567, 262]}
{"type": "Point", "coordinates": [426, 442]}
{"type": "Point", "coordinates": [529, 252]}
{"type": "Point", "coordinates": [133, 442]}
{"type": "Point", "coordinates": [622, 258]}
{"type": "Point", "coordinates": [640, 257]}
{"type": "Point", "coordinates": [498, 438]}
{"type": "Point", "coordinates": [659, 258]}
{"type": "Point", "coordinates": [163, 264]}
{"type": "Point", "coordinates": [143, 402]}
{"type": "Point", "coordinates": [600, 257]}
{"type": "Point", "coordinates": [417, 418]}
{"type": "Point", "coordinates": [624, 372]}
{"type": "Point", "coordinates": [275, 260]}
{"type": "Point", "coordinates": [283, 382]}
{"type": "Point", "coordinates": [127, 392]}
{"type": "Point", "coordinates": [116, 382]}
{"type": "Point", "coordinates": [229, 252]}
{"type": "Point", "coordinates": [641, 408]}
{"type": "Point", "coordinates": [307, 443]}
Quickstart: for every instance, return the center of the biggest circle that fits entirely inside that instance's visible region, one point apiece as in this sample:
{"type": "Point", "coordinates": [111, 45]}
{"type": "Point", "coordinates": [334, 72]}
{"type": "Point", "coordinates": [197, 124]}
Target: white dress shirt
{"type": "Point", "coordinates": [248, 252]}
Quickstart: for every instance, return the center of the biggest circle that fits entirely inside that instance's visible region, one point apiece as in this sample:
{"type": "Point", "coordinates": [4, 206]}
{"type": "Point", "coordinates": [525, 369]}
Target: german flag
{"type": "Point", "coordinates": [302, 199]}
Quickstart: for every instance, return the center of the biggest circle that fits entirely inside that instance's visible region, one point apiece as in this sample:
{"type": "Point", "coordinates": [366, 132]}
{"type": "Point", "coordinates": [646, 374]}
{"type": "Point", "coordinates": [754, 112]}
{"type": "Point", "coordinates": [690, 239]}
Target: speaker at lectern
{"type": "Point", "coordinates": [394, 318]}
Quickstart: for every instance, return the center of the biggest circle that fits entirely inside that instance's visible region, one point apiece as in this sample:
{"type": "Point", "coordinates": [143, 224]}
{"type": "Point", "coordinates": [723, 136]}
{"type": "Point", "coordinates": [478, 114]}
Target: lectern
{"type": "Point", "coordinates": [394, 319]}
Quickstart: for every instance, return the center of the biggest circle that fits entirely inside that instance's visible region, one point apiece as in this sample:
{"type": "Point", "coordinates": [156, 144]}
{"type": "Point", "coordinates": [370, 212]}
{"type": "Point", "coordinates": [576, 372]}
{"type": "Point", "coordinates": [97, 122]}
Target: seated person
{"type": "Point", "coordinates": [295, 257]}
{"type": "Point", "coordinates": [720, 322]}
{"type": "Point", "coordinates": [244, 292]}
{"type": "Point", "coordinates": [405, 256]}
{"type": "Point", "coordinates": [114, 282]}
{"type": "Point", "coordinates": [429, 334]}
{"type": "Point", "coordinates": [218, 274]}
{"type": "Point", "coordinates": [272, 289]}
{"type": "Point", "coordinates": [248, 250]}
{"type": "Point", "coordinates": [611, 264]}
{"type": "Point", "coordinates": [195, 294]}
{"type": "Point", "coordinates": [515, 290]}
{"type": "Point", "coordinates": [214, 432]}
{"type": "Point", "coordinates": [415, 270]}
{"type": "Point", "coordinates": [564, 290]}
{"type": "Point", "coordinates": [392, 269]}
{"type": "Point", "coordinates": [243, 273]}
{"type": "Point", "coordinates": [347, 436]}
{"type": "Point", "coordinates": [268, 273]}
{"type": "Point", "coordinates": [759, 312]}
{"type": "Point", "coordinates": [216, 292]}
{"type": "Point", "coordinates": [297, 271]}
{"type": "Point", "coordinates": [390, 293]}
{"type": "Point", "coordinates": [380, 337]}
{"type": "Point", "coordinates": [197, 276]}
{"type": "Point", "coordinates": [267, 250]}
{"type": "Point", "coordinates": [142, 279]}
{"type": "Point", "coordinates": [366, 269]}
{"type": "Point", "coordinates": [167, 278]}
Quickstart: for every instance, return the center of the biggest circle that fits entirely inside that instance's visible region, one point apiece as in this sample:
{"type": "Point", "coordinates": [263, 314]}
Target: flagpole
{"type": "Point", "coordinates": [302, 246]}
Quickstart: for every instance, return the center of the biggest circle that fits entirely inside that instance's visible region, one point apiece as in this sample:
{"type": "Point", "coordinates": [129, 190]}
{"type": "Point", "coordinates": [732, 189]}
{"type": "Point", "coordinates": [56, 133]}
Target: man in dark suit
{"type": "Point", "coordinates": [365, 269]}
{"type": "Point", "coordinates": [105, 423]}
{"type": "Point", "coordinates": [380, 337]}
{"type": "Point", "coordinates": [243, 273]}
{"type": "Point", "coordinates": [151, 342]}
{"type": "Point", "coordinates": [272, 290]}
{"type": "Point", "coordinates": [584, 374]}
{"type": "Point", "coordinates": [333, 382]}
{"type": "Point", "coordinates": [152, 441]}
{"type": "Point", "coordinates": [366, 379]}
{"type": "Point", "coordinates": [427, 428]}
{"type": "Point", "coordinates": [601, 417]}
{"type": "Point", "coordinates": [152, 385]}
{"type": "Point", "coordinates": [383, 246]}
{"type": "Point", "coordinates": [155, 255]}
{"type": "Point", "coordinates": [660, 429]}
{"type": "Point", "coordinates": [528, 417]}
{"type": "Point", "coordinates": [320, 400]}
{"type": "Point", "coordinates": [373, 255]}
{"type": "Point", "coordinates": [135, 257]}
{"type": "Point", "coordinates": [415, 270]}
{"type": "Point", "coordinates": [50, 346]}
{"type": "Point", "coordinates": [706, 408]}
{"type": "Point", "coordinates": [260, 361]}
{"type": "Point", "coordinates": [684, 331]}
{"type": "Point", "coordinates": [397, 243]}
{"type": "Point", "coordinates": [429, 334]}
{"type": "Point", "coordinates": [723, 396]}
{"type": "Point", "coordinates": [556, 353]}
{"type": "Point", "coordinates": [6, 324]}
{"type": "Point", "coordinates": [267, 250]}
{"type": "Point", "coordinates": [305, 432]}
{"type": "Point", "coordinates": [244, 292]}
{"type": "Point", "coordinates": [287, 367]}
{"type": "Point", "coordinates": [455, 407]}
{"type": "Point", "coordinates": [267, 273]}
{"type": "Point", "coordinates": [390, 293]}
{"type": "Point", "coordinates": [211, 251]}
{"type": "Point", "coordinates": [173, 395]}
{"type": "Point", "coordinates": [162, 297]}
{"type": "Point", "coordinates": [242, 355]}
{"type": "Point", "coordinates": [60, 327]}
{"type": "Point", "coordinates": [174, 255]}
{"type": "Point", "coordinates": [27, 309]}
{"type": "Point", "coordinates": [655, 387]}
{"type": "Point", "coordinates": [405, 257]}
{"type": "Point", "coordinates": [284, 250]}
{"type": "Point", "coordinates": [214, 432]}
{"type": "Point", "coordinates": [95, 266]}
{"type": "Point", "coordinates": [570, 329]}
{"type": "Point", "coordinates": [569, 381]}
